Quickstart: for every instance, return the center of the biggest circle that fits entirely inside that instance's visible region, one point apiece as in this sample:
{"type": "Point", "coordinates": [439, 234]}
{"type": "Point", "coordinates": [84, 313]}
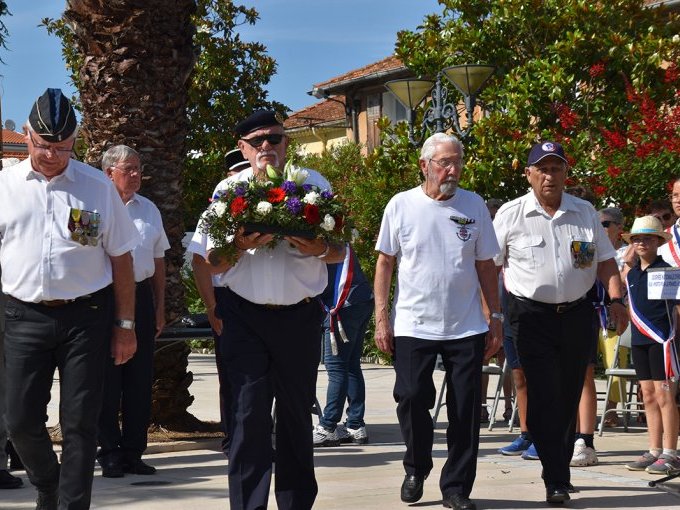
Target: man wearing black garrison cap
{"type": "Point", "coordinates": [271, 340]}
{"type": "Point", "coordinates": [67, 272]}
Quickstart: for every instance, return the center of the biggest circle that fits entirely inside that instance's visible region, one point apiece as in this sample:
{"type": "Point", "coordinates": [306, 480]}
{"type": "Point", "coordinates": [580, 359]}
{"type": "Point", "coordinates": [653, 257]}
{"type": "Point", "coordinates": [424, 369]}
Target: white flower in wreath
{"type": "Point", "coordinates": [264, 208]}
{"type": "Point", "coordinates": [219, 208]}
{"type": "Point", "coordinates": [311, 198]}
{"type": "Point", "coordinates": [294, 173]}
{"type": "Point", "coordinates": [328, 223]}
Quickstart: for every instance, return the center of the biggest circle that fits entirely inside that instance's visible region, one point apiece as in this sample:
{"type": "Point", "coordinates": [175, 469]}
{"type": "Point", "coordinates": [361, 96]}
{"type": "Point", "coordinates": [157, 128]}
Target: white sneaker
{"type": "Point", "coordinates": [349, 435]}
{"type": "Point", "coordinates": [324, 437]}
{"type": "Point", "coordinates": [583, 455]}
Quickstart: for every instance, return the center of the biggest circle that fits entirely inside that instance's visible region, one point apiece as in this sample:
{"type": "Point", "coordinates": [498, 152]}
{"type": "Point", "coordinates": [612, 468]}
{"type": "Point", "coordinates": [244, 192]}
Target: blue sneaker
{"type": "Point", "coordinates": [530, 453]}
{"type": "Point", "coordinates": [517, 447]}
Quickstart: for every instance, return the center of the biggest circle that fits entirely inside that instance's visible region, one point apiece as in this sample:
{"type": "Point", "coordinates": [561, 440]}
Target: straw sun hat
{"type": "Point", "coordinates": [648, 225]}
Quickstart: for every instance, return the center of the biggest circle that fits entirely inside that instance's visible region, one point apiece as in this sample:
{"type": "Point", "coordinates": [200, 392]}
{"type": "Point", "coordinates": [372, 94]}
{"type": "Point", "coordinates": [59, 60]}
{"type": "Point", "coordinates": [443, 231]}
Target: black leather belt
{"type": "Point", "coordinates": [54, 303]}
{"type": "Point", "coordinates": [555, 307]}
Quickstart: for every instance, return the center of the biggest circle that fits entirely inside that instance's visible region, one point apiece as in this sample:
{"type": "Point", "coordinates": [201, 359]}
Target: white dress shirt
{"type": "Point", "coordinates": [537, 251]}
{"type": "Point", "coordinates": [665, 248]}
{"type": "Point", "coordinates": [58, 235]}
{"type": "Point", "coordinates": [280, 275]}
{"type": "Point", "coordinates": [154, 243]}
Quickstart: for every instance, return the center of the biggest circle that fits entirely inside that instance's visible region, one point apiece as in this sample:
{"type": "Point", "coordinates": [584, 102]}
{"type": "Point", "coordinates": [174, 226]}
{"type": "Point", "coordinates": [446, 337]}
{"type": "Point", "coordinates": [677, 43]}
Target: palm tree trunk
{"type": "Point", "coordinates": [136, 57]}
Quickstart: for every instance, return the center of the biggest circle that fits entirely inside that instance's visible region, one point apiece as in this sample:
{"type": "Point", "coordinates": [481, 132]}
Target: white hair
{"type": "Point", "coordinates": [430, 145]}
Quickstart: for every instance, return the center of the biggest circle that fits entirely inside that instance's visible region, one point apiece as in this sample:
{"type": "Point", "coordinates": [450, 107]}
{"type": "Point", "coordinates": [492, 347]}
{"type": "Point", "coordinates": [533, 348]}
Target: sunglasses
{"type": "Point", "coordinates": [258, 141]}
{"type": "Point", "coordinates": [663, 217]}
{"type": "Point", "coordinates": [606, 223]}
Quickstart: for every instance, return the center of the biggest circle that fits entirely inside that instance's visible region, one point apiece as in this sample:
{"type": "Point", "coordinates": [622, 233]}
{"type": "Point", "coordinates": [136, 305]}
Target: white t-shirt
{"type": "Point", "coordinates": [539, 253]}
{"type": "Point", "coordinates": [147, 219]}
{"type": "Point", "coordinates": [278, 276]}
{"type": "Point", "coordinates": [58, 235]}
{"type": "Point", "coordinates": [437, 243]}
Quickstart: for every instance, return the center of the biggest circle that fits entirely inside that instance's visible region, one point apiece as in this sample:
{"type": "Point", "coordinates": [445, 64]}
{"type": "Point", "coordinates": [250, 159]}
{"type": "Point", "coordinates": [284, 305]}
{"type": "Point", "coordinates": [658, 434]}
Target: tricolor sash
{"type": "Point", "coordinates": [673, 245]}
{"type": "Point", "coordinates": [644, 326]}
{"type": "Point", "coordinates": [341, 288]}
{"type": "Point", "coordinates": [599, 305]}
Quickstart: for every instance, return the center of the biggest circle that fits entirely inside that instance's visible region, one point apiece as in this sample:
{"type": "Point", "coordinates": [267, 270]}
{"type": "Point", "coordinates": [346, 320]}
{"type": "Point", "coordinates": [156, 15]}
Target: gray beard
{"type": "Point", "coordinates": [448, 188]}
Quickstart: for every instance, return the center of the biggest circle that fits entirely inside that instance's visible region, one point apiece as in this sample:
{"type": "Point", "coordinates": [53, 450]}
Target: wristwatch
{"type": "Point", "coordinates": [498, 316]}
{"type": "Point", "coordinates": [125, 323]}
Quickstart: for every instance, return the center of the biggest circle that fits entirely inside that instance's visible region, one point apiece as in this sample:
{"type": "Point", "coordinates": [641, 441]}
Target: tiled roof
{"type": "Point", "coordinates": [322, 113]}
{"type": "Point", "coordinates": [383, 66]}
{"type": "Point", "coordinates": [12, 137]}
{"type": "Point", "coordinates": [14, 154]}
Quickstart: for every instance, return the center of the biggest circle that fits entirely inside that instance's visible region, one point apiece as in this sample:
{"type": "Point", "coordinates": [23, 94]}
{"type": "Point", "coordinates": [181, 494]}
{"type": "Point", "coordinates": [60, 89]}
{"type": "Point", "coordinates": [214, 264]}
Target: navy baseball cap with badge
{"type": "Point", "coordinates": [257, 120]}
{"type": "Point", "coordinates": [52, 117]}
{"type": "Point", "coordinates": [542, 150]}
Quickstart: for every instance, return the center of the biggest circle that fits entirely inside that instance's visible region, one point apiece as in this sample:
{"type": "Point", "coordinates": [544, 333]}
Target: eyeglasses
{"type": "Point", "coordinates": [607, 223]}
{"type": "Point", "coordinates": [641, 239]}
{"type": "Point", "coordinates": [446, 164]}
{"type": "Point", "coordinates": [258, 141]}
{"type": "Point", "coordinates": [674, 197]}
{"type": "Point", "coordinates": [50, 148]}
{"type": "Point", "coordinates": [663, 217]}
{"type": "Point", "coordinates": [129, 170]}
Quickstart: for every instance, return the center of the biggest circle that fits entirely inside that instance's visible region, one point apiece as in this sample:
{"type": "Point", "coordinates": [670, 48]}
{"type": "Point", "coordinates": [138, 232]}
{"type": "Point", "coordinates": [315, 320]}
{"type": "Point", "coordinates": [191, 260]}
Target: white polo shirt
{"type": "Point", "coordinates": [58, 235]}
{"type": "Point", "coordinates": [278, 276]}
{"type": "Point", "coordinates": [436, 244]}
{"type": "Point", "coordinates": [154, 243]}
{"type": "Point", "coordinates": [551, 260]}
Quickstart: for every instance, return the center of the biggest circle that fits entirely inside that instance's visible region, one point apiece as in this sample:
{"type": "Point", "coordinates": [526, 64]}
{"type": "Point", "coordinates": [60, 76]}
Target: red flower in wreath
{"type": "Point", "coordinates": [311, 214]}
{"type": "Point", "coordinates": [238, 206]}
{"type": "Point", "coordinates": [339, 222]}
{"type": "Point", "coordinates": [276, 195]}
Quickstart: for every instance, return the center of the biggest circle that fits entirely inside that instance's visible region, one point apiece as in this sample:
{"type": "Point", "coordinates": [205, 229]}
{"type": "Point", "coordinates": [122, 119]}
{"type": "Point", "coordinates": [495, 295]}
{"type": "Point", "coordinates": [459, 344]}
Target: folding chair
{"type": "Point", "coordinates": [629, 407]}
{"type": "Point", "coordinates": [486, 369]}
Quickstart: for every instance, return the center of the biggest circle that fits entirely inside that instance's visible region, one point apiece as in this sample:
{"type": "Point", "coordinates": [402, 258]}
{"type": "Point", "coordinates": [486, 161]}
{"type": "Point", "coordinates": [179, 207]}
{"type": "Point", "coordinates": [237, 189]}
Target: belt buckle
{"type": "Point", "coordinates": [561, 308]}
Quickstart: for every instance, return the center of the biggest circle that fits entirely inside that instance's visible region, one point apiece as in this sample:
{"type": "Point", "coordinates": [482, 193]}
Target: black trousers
{"type": "Point", "coordinates": [414, 392]}
{"type": "Point", "coordinates": [554, 350]}
{"type": "Point", "coordinates": [272, 353]}
{"type": "Point", "coordinates": [127, 388]}
{"type": "Point", "coordinates": [225, 388]}
{"type": "Point", "coordinates": [75, 338]}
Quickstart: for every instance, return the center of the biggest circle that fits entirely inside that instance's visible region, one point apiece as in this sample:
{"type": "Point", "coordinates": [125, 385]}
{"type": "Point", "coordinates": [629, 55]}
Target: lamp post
{"type": "Point", "coordinates": [468, 79]}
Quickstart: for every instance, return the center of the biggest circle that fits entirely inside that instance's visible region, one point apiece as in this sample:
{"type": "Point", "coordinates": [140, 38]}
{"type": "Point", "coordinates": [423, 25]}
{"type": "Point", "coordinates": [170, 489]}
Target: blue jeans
{"type": "Point", "coordinates": [345, 379]}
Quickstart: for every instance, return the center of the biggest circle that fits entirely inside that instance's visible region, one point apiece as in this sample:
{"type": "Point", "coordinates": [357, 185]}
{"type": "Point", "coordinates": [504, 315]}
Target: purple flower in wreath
{"type": "Point", "coordinates": [239, 191]}
{"type": "Point", "coordinates": [294, 205]}
{"type": "Point", "coordinates": [326, 195]}
{"type": "Point", "coordinates": [307, 187]}
{"type": "Point", "coordinates": [289, 187]}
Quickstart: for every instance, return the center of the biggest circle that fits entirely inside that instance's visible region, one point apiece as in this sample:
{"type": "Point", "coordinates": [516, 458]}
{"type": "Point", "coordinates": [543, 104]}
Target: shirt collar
{"type": "Point", "coordinates": [69, 173]}
{"type": "Point", "coordinates": [568, 203]}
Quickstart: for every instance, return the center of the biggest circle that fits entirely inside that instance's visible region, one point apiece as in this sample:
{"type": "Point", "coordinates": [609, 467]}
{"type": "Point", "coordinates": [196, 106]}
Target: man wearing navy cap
{"type": "Point", "coordinates": [271, 340]}
{"type": "Point", "coordinates": [552, 250]}
{"type": "Point", "coordinates": [235, 162]}
{"type": "Point", "coordinates": [67, 271]}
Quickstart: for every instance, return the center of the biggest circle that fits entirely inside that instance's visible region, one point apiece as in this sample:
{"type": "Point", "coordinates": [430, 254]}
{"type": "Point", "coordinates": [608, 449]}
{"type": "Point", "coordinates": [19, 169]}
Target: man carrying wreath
{"type": "Point", "coordinates": [271, 339]}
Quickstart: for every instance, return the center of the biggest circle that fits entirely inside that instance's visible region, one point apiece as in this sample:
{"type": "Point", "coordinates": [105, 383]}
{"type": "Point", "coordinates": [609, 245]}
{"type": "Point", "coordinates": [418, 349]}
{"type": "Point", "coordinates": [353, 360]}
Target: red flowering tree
{"type": "Point", "coordinates": [600, 77]}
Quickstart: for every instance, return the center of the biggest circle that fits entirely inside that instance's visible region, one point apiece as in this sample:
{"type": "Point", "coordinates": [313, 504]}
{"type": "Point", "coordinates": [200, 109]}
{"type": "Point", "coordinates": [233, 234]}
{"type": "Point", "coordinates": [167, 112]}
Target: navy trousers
{"type": "Point", "coordinates": [272, 353]}
{"type": "Point", "coordinates": [414, 392]}
{"type": "Point", "coordinates": [225, 388]}
{"type": "Point", "coordinates": [127, 389]}
{"type": "Point", "coordinates": [75, 338]}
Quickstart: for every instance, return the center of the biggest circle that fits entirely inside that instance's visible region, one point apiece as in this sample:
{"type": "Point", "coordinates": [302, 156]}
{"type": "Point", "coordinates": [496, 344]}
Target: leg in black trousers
{"type": "Point", "coordinates": [127, 389]}
{"type": "Point", "coordinates": [554, 349]}
{"type": "Point", "coordinates": [224, 389]}
{"type": "Point", "coordinates": [76, 339]}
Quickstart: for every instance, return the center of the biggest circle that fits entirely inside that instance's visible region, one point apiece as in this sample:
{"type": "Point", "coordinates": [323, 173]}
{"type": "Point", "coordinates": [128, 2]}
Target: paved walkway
{"type": "Point", "coordinates": [192, 475]}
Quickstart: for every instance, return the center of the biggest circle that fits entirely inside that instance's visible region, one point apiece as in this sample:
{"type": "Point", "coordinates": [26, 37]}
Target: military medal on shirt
{"type": "Point", "coordinates": [583, 252]}
{"type": "Point", "coordinates": [462, 224]}
{"type": "Point", "coordinates": [84, 226]}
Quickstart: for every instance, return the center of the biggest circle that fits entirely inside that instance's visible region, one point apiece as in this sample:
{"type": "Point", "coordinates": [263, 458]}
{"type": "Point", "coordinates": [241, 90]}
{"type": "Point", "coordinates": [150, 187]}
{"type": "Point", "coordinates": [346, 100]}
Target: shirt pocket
{"type": "Point", "coordinates": [529, 250]}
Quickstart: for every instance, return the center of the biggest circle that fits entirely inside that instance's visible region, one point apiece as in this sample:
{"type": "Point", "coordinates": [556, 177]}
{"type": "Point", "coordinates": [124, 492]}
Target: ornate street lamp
{"type": "Point", "coordinates": [468, 79]}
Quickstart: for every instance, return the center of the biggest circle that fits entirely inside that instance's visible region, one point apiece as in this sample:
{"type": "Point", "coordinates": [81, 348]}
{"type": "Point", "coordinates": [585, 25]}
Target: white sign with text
{"type": "Point", "coordinates": [663, 283]}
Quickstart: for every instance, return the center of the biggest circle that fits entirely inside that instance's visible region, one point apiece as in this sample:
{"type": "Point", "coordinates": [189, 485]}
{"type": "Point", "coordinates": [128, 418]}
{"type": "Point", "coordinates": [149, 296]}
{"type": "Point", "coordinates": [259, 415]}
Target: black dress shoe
{"type": "Point", "coordinates": [111, 467]}
{"type": "Point", "coordinates": [557, 494]}
{"type": "Point", "coordinates": [459, 502]}
{"type": "Point", "coordinates": [139, 467]}
{"type": "Point", "coordinates": [8, 481]}
{"type": "Point", "coordinates": [412, 488]}
{"type": "Point", "coordinates": [47, 500]}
